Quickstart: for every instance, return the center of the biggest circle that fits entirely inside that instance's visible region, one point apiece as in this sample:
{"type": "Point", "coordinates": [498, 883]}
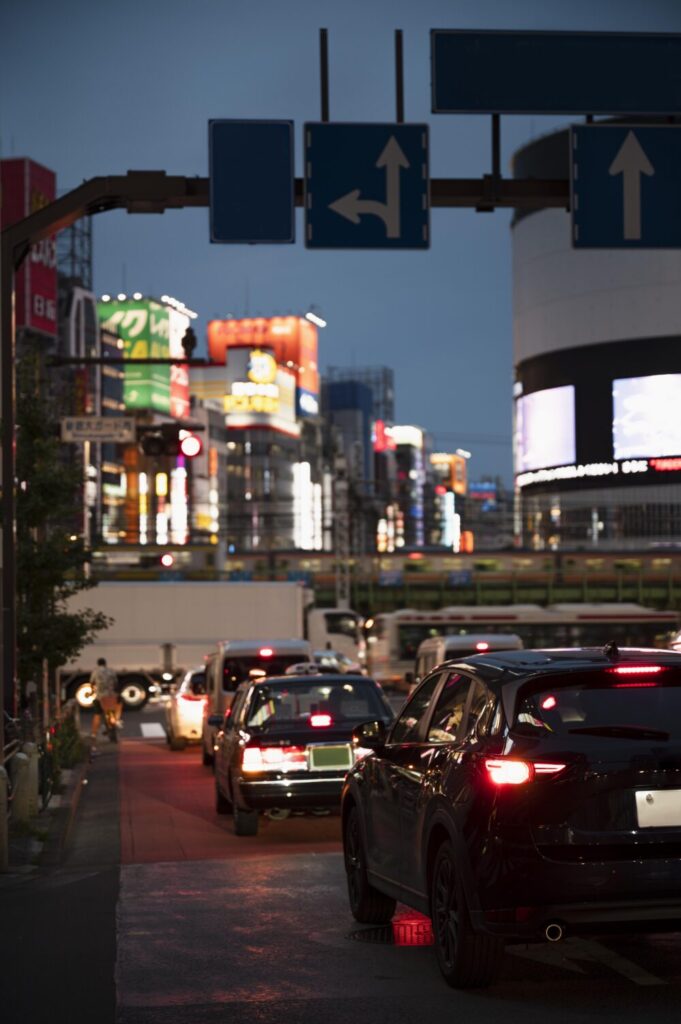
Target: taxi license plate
{"type": "Point", "coordinates": [658, 808]}
{"type": "Point", "coordinates": [325, 757]}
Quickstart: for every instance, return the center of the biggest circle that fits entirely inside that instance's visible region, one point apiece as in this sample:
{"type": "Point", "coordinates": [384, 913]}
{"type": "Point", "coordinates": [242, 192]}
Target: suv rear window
{"type": "Point", "coordinates": [286, 702]}
{"type": "Point", "coordinates": [238, 670]}
{"type": "Point", "coordinates": [604, 703]}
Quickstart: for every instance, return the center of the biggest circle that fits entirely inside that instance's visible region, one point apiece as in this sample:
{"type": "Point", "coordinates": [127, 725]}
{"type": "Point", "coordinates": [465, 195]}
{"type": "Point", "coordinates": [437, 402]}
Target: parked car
{"type": "Point", "coordinates": [185, 710]}
{"type": "Point", "coordinates": [286, 743]}
{"type": "Point", "coordinates": [522, 795]}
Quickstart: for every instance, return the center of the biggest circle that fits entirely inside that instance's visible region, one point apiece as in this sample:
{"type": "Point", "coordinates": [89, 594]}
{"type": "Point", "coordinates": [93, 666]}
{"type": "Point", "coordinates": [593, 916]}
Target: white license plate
{"type": "Point", "coordinates": [331, 758]}
{"type": "Point", "coordinates": [658, 808]}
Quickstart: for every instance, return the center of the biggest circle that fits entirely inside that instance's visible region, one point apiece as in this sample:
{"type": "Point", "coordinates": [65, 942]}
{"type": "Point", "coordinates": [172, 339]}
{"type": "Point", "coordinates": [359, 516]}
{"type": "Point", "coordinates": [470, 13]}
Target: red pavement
{"type": "Point", "coordinates": [167, 813]}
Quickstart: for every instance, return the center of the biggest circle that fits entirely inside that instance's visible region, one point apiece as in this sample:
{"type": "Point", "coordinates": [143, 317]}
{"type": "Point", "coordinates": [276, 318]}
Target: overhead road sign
{"type": "Point", "coordinates": [626, 186]}
{"type": "Point", "coordinates": [251, 181]}
{"type": "Point", "coordinates": [492, 72]}
{"type": "Point", "coordinates": [105, 429]}
{"type": "Point", "coordinates": [366, 186]}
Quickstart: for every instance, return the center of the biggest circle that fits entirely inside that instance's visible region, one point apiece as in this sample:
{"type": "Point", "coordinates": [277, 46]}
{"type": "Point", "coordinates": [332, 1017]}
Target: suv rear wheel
{"type": "Point", "coordinates": [368, 905]}
{"type": "Point", "coordinates": [467, 959]}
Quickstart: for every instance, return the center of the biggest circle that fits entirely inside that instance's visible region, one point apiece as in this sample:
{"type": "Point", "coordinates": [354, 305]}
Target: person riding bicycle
{"type": "Point", "coordinates": [104, 683]}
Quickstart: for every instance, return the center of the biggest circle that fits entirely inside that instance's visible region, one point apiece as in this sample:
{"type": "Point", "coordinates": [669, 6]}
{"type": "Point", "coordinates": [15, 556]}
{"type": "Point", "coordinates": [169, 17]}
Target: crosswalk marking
{"type": "Point", "coordinates": [152, 730]}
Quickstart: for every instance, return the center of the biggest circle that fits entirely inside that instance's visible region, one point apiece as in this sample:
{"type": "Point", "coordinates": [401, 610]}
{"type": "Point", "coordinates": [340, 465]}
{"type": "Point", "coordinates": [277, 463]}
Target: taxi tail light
{"type": "Point", "coordinates": [321, 721]}
{"type": "Point", "coordinates": [270, 759]}
{"type": "Point", "coordinates": [506, 771]}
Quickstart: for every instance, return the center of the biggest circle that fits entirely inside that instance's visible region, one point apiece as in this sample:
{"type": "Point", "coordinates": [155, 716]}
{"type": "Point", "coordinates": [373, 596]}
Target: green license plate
{"type": "Point", "coordinates": [331, 757]}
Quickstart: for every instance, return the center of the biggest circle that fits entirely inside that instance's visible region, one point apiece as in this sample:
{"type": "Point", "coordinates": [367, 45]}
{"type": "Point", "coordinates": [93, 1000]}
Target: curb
{"type": "Point", "coordinates": [64, 818]}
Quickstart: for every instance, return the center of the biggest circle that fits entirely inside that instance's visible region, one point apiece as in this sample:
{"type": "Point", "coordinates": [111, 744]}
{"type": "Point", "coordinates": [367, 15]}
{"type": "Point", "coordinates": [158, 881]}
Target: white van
{"type": "Point", "coordinates": [237, 661]}
{"type": "Point", "coordinates": [437, 649]}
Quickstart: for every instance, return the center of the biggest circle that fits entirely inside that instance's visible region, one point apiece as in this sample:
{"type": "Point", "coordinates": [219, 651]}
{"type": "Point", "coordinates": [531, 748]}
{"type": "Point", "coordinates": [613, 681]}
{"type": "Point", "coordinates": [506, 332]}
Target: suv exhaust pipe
{"type": "Point", "coordinates": [553, 932]}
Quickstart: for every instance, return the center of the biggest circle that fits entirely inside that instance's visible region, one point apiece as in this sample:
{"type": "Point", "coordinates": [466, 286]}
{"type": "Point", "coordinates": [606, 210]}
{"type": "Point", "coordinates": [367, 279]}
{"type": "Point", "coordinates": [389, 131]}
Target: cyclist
{"type": "Point", "coordinates": [104, 682]}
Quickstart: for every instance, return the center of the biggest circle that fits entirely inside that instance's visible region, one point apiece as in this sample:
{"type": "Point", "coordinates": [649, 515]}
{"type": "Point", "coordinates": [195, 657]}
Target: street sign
{"type": "Point", "coordinates": [251, 181]}
{"type": "Point", "coordinates": [104, 429]}
{"type": "Point", "coordinates": [366, 186]}
{"type": "Point", "coordinates": [626, 186]}
{"type": "Point", "coordinates": [555, 72]}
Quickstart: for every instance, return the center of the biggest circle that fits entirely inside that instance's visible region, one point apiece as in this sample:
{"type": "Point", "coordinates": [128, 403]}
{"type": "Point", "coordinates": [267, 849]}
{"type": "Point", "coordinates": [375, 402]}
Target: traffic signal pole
{"type": "Point", "coordinates": [156, 192]}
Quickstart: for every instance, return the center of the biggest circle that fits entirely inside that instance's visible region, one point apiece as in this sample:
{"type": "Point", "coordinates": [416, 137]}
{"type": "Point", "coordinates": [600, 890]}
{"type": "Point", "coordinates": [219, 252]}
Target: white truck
{"type": "Point", "coordinates": [161, 629]}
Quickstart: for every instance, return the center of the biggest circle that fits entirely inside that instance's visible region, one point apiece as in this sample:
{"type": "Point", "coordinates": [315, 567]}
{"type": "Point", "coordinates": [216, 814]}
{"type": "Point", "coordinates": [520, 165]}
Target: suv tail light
{"type": "Point", "coordinates": [507, 771]}
{"type": "Point", "coordinates": [192, 696]}
{"type": "Point", "coordinates": [274, 759]}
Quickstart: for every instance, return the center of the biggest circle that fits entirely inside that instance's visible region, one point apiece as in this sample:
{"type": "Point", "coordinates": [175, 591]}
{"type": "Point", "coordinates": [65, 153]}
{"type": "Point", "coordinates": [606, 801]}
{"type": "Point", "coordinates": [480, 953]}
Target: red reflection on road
{"type": "Point", "coordinates": [412, 929]}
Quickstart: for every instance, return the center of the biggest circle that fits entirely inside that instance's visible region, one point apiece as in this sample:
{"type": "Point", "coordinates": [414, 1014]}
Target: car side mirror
{"type": "Point", "coordinates": [215, 721]}
{"type": "Point", "coordinates": [369, 736]}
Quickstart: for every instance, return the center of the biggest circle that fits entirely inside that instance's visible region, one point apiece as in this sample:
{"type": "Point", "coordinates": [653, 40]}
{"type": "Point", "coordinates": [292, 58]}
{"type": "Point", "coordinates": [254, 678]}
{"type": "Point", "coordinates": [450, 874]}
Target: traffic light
{"type": "Point", "coordinates": [170, 439]}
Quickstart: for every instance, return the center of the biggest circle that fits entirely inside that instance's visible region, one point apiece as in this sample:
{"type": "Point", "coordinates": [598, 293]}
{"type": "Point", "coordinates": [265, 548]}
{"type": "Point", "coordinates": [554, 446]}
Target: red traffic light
{"type": "Point", "coordinates": [190, 444]}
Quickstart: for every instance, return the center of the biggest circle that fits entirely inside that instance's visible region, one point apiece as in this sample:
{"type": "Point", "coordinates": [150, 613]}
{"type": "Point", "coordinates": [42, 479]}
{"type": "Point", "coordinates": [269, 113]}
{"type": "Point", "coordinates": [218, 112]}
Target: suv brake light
{"type": "Point", "coordinates": [504, 771]}
{"type": "Point", "coordinates": [635, 670]}
{"type": "Point", "coordinates": [273, 759]}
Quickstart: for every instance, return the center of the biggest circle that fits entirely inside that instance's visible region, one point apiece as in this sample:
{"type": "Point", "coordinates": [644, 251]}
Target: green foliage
{"type": "Point", "coordinates": [69, 748]}
{"type": "Point", "coordinates": [50, 564]}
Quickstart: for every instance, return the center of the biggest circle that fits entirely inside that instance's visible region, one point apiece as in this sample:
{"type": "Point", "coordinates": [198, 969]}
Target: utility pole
{"type": "Point", "coordinates": [341, 532]}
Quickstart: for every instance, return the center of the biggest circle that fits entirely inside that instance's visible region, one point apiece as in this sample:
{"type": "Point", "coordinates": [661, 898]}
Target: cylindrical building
{"type": "Point", "coordinates": [597, 353]}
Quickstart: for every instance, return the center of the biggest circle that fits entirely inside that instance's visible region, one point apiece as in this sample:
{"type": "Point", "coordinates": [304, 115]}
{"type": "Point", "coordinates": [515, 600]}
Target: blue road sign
{"type": "Point", "coordinates": [555, 72]}
{"type": "Point", "coordinates": [251, 181]}
{"type": "Point", "coordinates": [626, 186]}
{"type": "Point", "coordinates": [366, 186]}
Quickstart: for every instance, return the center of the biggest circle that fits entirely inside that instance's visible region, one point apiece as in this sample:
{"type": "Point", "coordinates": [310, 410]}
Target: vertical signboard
{"type": "Point", "coordinates": [179, 374]}
{"type": "Point", "coordinates": [26, 187]}
{"type": "Point", "coordinates": [144, 326]}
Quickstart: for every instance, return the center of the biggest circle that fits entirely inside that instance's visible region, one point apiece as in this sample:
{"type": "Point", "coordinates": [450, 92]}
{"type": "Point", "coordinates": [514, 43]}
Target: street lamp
{"type": "Point", "coordinates": [314, 318]}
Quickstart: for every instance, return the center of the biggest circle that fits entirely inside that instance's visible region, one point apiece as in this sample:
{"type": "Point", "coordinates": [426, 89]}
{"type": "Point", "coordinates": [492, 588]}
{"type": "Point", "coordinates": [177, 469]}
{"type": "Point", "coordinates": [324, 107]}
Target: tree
{"type": "Point", "coordinates": [51, 558]}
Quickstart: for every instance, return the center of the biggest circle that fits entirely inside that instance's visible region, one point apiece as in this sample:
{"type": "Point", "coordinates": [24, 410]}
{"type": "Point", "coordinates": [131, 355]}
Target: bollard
{"type": "Point", "coordinates": [20, 789]}
{"type": "Point", "coordinates": [31, 751]}
{"type": "Point", "coordinates": [4, 838]}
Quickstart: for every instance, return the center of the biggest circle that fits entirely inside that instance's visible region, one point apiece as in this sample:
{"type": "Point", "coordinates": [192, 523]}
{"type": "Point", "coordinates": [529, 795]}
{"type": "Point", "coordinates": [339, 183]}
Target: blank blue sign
{"type": "Point", "coordinates": [626, 186]}
{"type": "Point", "coordinates": [251, 181]}
{"type": "Point", "coordinates": [555, 72]}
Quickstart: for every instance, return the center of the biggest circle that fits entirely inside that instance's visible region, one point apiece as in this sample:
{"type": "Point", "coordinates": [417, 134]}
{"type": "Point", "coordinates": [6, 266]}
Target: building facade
{"type": "Point", "coordinates": [597, 352]}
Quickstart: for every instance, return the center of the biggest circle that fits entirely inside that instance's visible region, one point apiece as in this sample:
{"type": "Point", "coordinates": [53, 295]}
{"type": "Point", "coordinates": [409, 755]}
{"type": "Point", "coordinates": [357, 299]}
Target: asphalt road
{"type": "Point", "coordinates": [171, 919]}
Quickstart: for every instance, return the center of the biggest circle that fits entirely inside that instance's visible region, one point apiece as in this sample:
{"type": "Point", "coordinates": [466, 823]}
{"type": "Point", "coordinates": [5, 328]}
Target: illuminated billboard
{"type": "Point", "coordinates": [646, 422]}
{"type": "Point", "coordinates": [25, 187]}
{"type": "Point", "coordinates": [144, 326]}
{"type": "Point", "coordinates": [291, 339]}
{"type": "Point", "coordinates": [545, 429]}
{"type": "Point", "coordinates": [179, 374]}
{"type": "Point", "coordinates": [259, 393]}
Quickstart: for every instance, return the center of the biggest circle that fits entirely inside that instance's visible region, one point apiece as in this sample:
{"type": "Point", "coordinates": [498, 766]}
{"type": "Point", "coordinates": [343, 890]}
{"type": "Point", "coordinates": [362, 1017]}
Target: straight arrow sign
{"type": "Point", "coordinates": [625, 186]}
{"type": "Point", "coordinates": [631, 162]}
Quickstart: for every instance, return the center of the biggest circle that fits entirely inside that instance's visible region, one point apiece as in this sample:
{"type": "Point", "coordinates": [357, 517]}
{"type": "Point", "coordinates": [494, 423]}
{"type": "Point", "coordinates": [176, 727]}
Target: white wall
{"type": "Point", "coordinates": [564, 297]}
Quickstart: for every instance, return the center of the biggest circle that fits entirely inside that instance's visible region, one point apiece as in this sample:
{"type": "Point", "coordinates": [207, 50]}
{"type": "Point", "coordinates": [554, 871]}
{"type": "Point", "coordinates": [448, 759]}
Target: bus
{"type": "Point", "coordinates": [394, 637]}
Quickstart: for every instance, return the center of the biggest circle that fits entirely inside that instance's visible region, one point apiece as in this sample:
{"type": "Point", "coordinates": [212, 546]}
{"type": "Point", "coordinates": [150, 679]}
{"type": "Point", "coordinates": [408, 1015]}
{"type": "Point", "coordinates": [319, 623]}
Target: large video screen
{"type": "Point", "coordinates": [646, 420]}
{"type": "Point", "coordinates": [545, 429]}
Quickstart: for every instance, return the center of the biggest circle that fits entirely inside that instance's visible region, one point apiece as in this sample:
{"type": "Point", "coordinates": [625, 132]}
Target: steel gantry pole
{"type": "Point", "coordinates": [156, 192]}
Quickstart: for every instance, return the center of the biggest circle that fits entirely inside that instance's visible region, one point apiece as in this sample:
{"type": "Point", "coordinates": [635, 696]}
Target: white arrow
{"type": "Point", "coordinates": [352, 207]}
{"type": "Point", "coordinates": [631, 162]}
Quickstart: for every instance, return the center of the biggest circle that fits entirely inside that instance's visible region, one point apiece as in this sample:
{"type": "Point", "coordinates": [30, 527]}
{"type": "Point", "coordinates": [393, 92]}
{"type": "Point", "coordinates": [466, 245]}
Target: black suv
{"type": "Point", "coordinates": [519, 795]}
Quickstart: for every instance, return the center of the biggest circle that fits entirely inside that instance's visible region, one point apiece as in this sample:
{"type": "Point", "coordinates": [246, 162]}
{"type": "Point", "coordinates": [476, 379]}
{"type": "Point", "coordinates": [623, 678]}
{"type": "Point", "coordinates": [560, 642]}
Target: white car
{"type": "Point", "coordinates": [185, 710]}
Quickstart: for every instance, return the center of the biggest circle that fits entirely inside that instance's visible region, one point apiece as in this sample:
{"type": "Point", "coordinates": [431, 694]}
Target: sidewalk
{"type": "Point", "coordinates": [58, 940]}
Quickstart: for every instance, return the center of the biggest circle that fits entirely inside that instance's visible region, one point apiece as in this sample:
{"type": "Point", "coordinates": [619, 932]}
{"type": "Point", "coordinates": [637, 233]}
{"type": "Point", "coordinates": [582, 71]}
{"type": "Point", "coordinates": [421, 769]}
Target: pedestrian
{"type": "Point", "coordinates": [104, 683]}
